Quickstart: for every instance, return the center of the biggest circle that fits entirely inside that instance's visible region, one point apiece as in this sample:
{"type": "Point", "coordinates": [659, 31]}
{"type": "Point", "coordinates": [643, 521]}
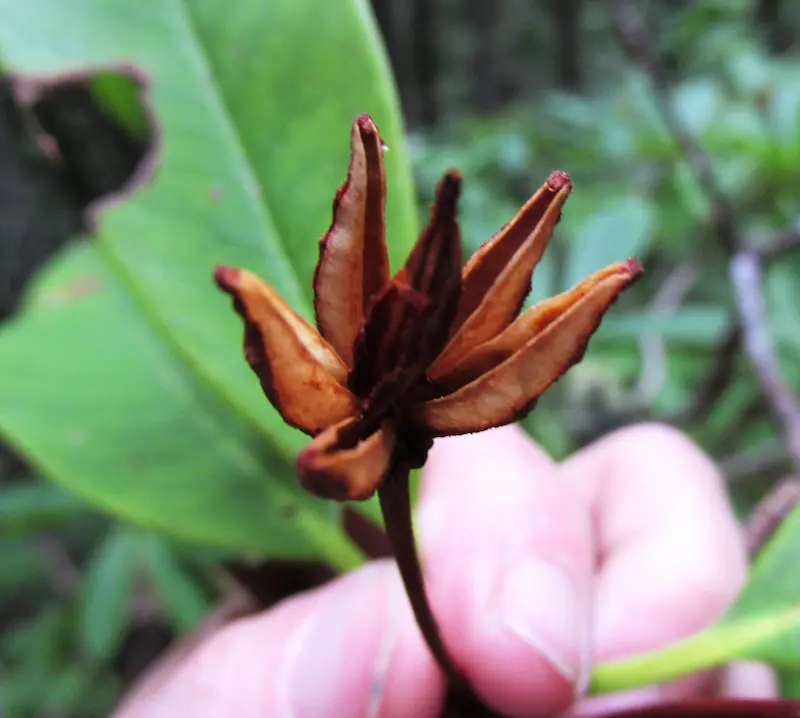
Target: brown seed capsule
{"type": "Point", "coordinates": [431, 351]}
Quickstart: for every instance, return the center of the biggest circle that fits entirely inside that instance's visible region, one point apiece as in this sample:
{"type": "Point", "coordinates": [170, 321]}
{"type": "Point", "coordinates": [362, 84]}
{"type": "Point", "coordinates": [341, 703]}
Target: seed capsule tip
{"type": "Point", "coordinates": [226, 277]}
{"type": "Point", "coordinates": [366, 125]}
{"type": "Point", "coordinates": [449, 187]}
{"type": "Point", "coordinates": [557, 180]}
{"type": "Point", "coordinates": [634, 268]}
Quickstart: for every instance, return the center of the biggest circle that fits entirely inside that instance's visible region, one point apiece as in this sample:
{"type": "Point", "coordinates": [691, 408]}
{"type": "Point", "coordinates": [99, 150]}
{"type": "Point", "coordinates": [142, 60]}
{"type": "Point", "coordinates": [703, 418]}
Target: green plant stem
{"type": "Point", "coordinates": [395, 500]}
{"type": "Point", "coordinates": [713, 647]}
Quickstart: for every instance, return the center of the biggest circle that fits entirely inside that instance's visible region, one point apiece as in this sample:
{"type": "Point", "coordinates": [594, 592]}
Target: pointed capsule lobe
{"type": "Point", "coordinates": [300, 372]}
{"type": "Point", "coordinates": [353, 260]}
{"type": "Point", "coordinates": [509, 390]}
{"type": "Point", "coordinates": [498, 276]}
{"type": "Point", "coordinates": [488, 355]}
{"type": "Point", "coordinates": [345, 472]}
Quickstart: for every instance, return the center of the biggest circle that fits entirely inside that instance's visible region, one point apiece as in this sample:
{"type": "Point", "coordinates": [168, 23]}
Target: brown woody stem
{"type": "Point", "coordinates": [768, 515]}
{"type": "Point", "coordinates": [395, 499]}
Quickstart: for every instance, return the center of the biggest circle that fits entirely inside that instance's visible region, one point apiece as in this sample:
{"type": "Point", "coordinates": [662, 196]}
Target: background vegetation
{"type": "Point", "coordinates": [678, 121]}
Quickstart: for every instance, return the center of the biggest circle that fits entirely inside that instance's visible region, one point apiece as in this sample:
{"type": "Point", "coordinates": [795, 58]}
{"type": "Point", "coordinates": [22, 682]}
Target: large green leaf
{"type": "Point", "coordinates": [95, 399]}
{"type": "Point", "coordinates": [763, 624]}
{"type": "Point", "coordinates": [254, 102]}
{"type": "Point", "coordinates": [138, 396]}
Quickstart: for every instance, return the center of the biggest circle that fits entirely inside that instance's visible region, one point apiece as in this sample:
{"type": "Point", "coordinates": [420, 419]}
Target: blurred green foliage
{"type": "Point", "coordinates": [636, 195]}
{"type": "Point", "coordinates": [122, 378]}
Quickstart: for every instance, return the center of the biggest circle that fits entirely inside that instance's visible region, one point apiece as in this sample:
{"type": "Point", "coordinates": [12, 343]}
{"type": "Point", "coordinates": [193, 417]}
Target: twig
{"type": "Point", "coordinates": [633, 35]}
{"type": "Point", "coordinates": [764, 459]}
{"type": "Point", "coordinates": [747, 277]}
{"type": "Point", "coordinates": [713, 385]}
{"type": "Point", "coordinates": [652, 345]}
{"type": "Point", "coordinates": [781, 243]}
{"type": "Point", "coordinates": [60, 568]}
{"type": "Point", "coordinates": [723, 361]}
{"type": "Point", "coordinates": [769, 513]}
{"type": "Point", "coordinates": [746, 264]}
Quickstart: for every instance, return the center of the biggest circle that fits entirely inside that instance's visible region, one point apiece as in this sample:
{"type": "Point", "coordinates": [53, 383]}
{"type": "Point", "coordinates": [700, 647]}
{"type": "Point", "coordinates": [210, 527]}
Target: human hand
{"type": "Point", "coordinates": [534, 569]}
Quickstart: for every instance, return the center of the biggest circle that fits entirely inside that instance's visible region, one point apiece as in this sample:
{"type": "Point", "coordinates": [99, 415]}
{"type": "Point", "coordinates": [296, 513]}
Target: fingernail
{"type": "Point", "coordinates": [541, 605]}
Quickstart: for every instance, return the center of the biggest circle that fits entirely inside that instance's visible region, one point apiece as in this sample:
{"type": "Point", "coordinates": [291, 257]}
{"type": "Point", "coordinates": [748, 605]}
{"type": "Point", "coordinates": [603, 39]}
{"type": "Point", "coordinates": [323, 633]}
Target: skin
{"type": "Point", "coordinates": [534, 570]}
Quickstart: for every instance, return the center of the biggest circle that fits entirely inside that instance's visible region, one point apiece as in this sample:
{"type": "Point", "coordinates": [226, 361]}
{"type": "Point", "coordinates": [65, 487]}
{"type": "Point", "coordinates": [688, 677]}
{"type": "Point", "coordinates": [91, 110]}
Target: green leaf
{"type": "Point", "coordinates": [184, 602]}
{"type": "Point", "coordinates": [789, 683]}
{"type": "Point", "coordinates": [118, 95]}
{"type": "Point", "coordinates": [38, 642]}
{"type": "Point", "coordinates": [698, 325]}
{"type": "Point", "coordinates": [106, 596]}
{"type": "Point", "coordinates": [610, 234]}
{"type": "Point", "coordinates": [29, 506]}
{"type": "Point", "coordinates": [771, 601]}
{"type": "Point", "coordinates": [21, 569]}
{"type": "Point", "coordinates": [784, 108]}
{"type": "Point", "coordinates": [698, 103]}
{"type": "Point", "coordinates": [254, 102]}
{"type": "Point", "coordinates": [763, 624]}
{"type": "Point", "coordinates": [694, 201]}
{"type": "Point", "coordinates": [783, 296]}
{"type": "Point", "coordinates": [138, 396]}
{"type": "Point", "coordinates": [117, 418]}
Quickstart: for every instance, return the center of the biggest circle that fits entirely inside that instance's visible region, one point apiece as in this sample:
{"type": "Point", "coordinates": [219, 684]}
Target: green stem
{"type": "Point", "coordinates": [713, 647]}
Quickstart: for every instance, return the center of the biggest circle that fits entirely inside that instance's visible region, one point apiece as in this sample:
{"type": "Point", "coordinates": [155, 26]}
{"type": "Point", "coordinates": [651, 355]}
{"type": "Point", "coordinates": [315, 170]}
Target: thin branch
{"type": "Point", "coordinates": [770, 513]}
{"type": "Point", "coordinates": [761, 460]}
{"type": "Point", "coordinates": [61, 569]}
{"type": "Point", "coordinates": [634, 37]}
{"type": "Point", "coordinates": [781, 243]}
{"type": "Point", "coordinates": [723, 361]}
{"type": "Point", "coordinates": [720, 372]}
{"type": "Point", "coordinates": [748, 283]}
{"type": "Point", "coordinates": [652, 345]}
{"type": "Point", "coordinates": [746, 265]}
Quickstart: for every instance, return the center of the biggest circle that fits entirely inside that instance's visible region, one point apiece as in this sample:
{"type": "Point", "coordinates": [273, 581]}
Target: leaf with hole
{"type": "Point", "coordinates": [127, 384]}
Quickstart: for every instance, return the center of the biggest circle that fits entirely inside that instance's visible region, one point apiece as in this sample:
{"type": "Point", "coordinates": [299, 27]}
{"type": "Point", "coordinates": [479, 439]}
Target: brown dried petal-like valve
{"type": "Point", "coordinates": [434, 350]}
